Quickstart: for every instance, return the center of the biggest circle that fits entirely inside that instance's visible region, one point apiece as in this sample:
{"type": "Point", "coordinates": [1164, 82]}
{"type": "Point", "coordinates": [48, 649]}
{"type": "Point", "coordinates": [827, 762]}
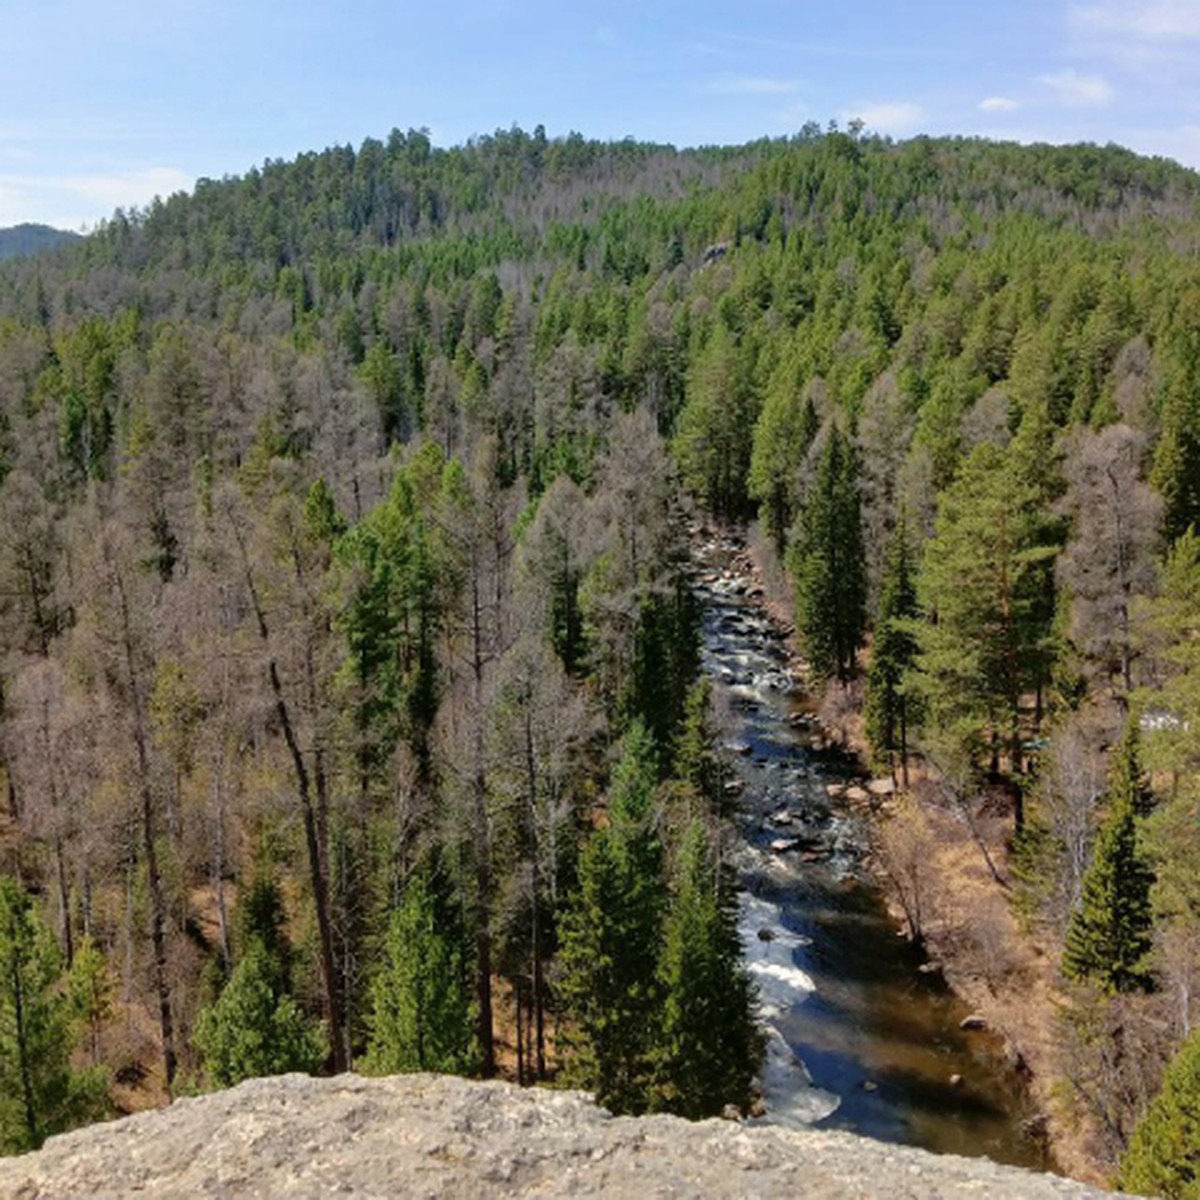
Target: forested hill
{"type": "Point", "coordinates": [20, 240]}
{"type": "Point", "coordinates": [347, 652]}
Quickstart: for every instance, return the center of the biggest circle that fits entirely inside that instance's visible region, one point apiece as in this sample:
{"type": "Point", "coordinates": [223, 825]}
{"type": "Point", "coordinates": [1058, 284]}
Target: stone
{"type": "Point", "coordinates": [783, 845]}
{"type": "Point", "coordinates": [974, 1021]}
{"type": "Point", "coordinates": [956, 1080]}
{"type": "Point", "coordinates": [857, 795]}
{"type": "Point", "coordinates": [427, 1135]}
{"type": "Point", "coordinates": [881, 787]}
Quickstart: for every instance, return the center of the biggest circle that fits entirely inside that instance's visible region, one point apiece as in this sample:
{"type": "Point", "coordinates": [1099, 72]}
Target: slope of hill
{"type": "Point", "coordinates": [20, 240]}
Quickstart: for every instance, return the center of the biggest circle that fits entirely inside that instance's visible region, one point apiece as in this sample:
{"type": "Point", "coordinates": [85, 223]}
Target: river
{"type": "Point", "coordinates": [860, 1038]}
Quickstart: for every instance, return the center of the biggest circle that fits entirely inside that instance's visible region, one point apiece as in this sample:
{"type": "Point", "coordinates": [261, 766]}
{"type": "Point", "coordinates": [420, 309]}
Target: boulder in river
{"type": "Point", "coordinates": [881, 787]}
{"type": "Point", "coordinates": [973, 1022]}
{"type": "Point", "coordinates": [783, 845]}
{"type": "Point", "coordinates": [781, 816]}
{"type": "Point", "coordinates": [857, 795]}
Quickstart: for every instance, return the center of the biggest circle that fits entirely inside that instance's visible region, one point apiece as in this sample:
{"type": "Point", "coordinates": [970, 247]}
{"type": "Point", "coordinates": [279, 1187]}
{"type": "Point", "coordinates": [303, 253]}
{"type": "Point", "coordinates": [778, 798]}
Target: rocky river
{"type": "Point", "coordinates": [863, 1036]}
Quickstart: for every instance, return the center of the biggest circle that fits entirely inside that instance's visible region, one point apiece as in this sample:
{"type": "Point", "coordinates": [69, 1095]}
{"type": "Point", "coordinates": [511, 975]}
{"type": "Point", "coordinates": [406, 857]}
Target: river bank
{"type": "Point", "coordinates": [862, 1037]}
{"type": "Point", "coordinates": [970, 936]}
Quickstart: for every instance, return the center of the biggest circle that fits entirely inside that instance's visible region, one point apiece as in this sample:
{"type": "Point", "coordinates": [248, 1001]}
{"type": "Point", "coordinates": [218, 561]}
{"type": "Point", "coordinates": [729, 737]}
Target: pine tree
{"type": "Point", "coordinates": [1109, 935]}
{"type": "Point", "coordinates": [893, 654]}
{"type": "Point", "coordinates": [696, 763]}
{"type": "Point", "coordinates": [983, 585]}
{"type": "Point", "coordinates": [421, 1015]}
{"type": "Point", "coordinates": [1163, 1158]}
{"type": "Point", "coordinates": [1176, 470]}
{"type": "Point", "coordinates": [255, 1027]}
{"type": "Point", "coordinates": [708, 1045]}
{"type": "Point", "coordinates": [828, 564]}
{"type": "Point", "coordinates": [39, 1093]}
{"type": "Point", "coordinates": [610, 940]}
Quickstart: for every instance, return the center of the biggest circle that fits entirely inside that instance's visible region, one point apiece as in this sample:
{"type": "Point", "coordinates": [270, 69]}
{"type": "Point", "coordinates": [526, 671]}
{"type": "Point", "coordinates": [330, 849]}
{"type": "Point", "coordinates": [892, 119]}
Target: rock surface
{"type": "Point", "coordinates": [424, 1135]}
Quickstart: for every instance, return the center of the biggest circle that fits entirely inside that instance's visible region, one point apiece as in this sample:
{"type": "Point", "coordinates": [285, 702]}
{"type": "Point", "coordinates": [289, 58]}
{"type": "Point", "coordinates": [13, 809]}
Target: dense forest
{"type": "Point", "coordinates": [349, 660]}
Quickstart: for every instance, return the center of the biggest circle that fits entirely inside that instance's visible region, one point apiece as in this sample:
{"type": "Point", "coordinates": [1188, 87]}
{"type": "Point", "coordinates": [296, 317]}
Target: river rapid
{"type": "Point", "coordinates": [859, 1036]}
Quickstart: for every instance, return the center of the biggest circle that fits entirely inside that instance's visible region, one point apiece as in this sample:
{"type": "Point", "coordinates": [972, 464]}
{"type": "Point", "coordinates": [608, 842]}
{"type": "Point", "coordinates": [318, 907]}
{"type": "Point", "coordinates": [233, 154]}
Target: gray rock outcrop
{"type": "Point", "coordinates": [423, 1135]}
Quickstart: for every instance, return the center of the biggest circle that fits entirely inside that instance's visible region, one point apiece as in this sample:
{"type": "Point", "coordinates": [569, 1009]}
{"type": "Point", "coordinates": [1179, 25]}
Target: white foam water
{"type": "Point", "coordinates": [787, 1089]}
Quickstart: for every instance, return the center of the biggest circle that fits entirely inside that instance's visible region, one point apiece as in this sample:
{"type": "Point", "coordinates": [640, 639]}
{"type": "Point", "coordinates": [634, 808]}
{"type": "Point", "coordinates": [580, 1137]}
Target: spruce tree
{"type": "Point", "coordinates": [39, 1092]}
{"type": "Point", "coordinates": [1163, 1158]}
{"type": "Point", "coordinates": [893, 654]}
{"type": "Point", "coordinates": [610, 939]}
{"type": "Point", "coordinates": [696, 763]}
{"type": "Point", "coordinates": [1109, 934]}
{"type": "Point", "coordinates": [421, 1014]}
{"type": "Point", "coordinates": [983, 584]}
{"type": "Point", "coordinates": [708, 1044]}
{"type": "Point", "coordinates": [829, 566]}
{"type": "Point", "coordinates": [255, 1027]}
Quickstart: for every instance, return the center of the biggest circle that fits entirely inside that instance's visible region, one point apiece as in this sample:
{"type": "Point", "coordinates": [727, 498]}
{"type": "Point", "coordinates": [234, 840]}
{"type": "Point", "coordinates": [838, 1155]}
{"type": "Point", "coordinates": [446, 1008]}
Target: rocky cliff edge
{"type": "Point", "coordinates": [423, 1135]}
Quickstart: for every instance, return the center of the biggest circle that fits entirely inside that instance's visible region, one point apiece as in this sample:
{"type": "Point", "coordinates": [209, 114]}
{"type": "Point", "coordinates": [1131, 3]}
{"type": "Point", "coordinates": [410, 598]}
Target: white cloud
{"type": "Point", "coordinates": [1076, 89]}
{"type": "Point", "coordinates": [998, 104]}
{"type": "Point", "coordinates": [1146, 20]}
{"type": "Point", "coordinates": [70, 201]}
{"type": "Point", "coordinates": [752, 85]}
{"type": "Point", "coordinates": [893, 116]}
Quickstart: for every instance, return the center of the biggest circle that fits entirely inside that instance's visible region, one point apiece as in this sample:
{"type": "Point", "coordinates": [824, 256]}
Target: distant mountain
{"type": "Point", "coordinates": [32, 239]}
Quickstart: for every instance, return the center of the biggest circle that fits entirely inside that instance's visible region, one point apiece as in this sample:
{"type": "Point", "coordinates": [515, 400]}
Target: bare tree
{"type": "Point", "coordinates": [1110, 556]}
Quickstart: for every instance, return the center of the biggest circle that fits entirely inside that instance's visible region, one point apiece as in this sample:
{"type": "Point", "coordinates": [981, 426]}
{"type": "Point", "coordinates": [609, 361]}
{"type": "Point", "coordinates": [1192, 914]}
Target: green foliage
{"type": "Point", "coordinates": [715, 429]}
{"type": "Point", "coordinates": [828, 564]}
{"type": "Point", "coordinates": [983, 583]}
{"type": "Point", "coordinates": [421, 1016]}
{"type": "Point", "coordinates": [255, 1028]}
{"type": "Point", "coordinates": [697, 764]}
{"type": "Point", "coordinates": [893, 652]}
{"type": "Point", "coordinates": [1163, 1158]}
{"type": "Point", "coordinates": [1109, 935]}
{"type": "Point", "coordinates": [39, 1092]}
{"type": "Point", "coordinates": [709, 1046]}
{"type": "Point", "coordinates": [610, 939]}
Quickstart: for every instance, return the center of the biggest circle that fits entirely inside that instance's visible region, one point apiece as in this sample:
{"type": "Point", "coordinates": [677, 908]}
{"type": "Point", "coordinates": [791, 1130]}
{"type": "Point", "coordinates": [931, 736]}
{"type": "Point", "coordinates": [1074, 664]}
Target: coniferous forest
{"type": "Point", "coordinates": [351, 714]}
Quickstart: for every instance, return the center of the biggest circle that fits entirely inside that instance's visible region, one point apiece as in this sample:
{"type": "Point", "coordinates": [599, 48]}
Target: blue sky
{"type": "Point", "coordinates": [110, 103]}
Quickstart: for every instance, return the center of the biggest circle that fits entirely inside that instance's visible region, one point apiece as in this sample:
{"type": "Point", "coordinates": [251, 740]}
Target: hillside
{"type": "Point", "coordinates": [428, 1136]}
{"type": "Point", "coordinates": [20, 240]}
{"type": "Point", "coordinates": [349, 650]}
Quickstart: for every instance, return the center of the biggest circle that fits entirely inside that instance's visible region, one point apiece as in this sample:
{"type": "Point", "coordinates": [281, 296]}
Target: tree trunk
{"type": "Point", "coordinates": [158, 925]}
{"type": "Point", "coordinates": [329, 977]}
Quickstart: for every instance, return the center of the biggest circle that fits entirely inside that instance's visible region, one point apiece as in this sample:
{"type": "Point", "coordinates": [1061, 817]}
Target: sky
{"type": "Point", "coordinates": [110, 104]}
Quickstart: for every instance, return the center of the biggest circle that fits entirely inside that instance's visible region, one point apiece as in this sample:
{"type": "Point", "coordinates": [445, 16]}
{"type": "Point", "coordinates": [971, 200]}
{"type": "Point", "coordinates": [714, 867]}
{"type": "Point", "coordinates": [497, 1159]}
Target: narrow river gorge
{"type": "Point", "coordinates": [860, 1037]}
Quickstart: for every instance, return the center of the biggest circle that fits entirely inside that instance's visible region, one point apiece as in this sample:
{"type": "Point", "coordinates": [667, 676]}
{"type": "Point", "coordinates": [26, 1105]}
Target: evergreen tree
{"type": "Point", "coordinates": [1109, 935]}
{"type": "Point", "coordinates": [893, 654]}
{"type": "Point", "coordinates": [696, 763]}
{"type": "Point", "coordinates": [610, 939]}
{"type": "Point", "coordinates": [708, 1044]}
{"type": "Point", "coordinates": [1176, 470]}
{"type": "Point", "coordinates": [39, 1093]}
{"type": "Point", "coordinates": [1163, 1158]}
{"type": "Point", "coordinates": [983, 584]}
{"type": "Point", "coordinates": [828, 564]}
{"type": "Point", "coordinates": [1127, 778]}
{"type": "Point", "coordinates": [421, 1015]}
{"type": "Point", "coordinates": [255, 1027]}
